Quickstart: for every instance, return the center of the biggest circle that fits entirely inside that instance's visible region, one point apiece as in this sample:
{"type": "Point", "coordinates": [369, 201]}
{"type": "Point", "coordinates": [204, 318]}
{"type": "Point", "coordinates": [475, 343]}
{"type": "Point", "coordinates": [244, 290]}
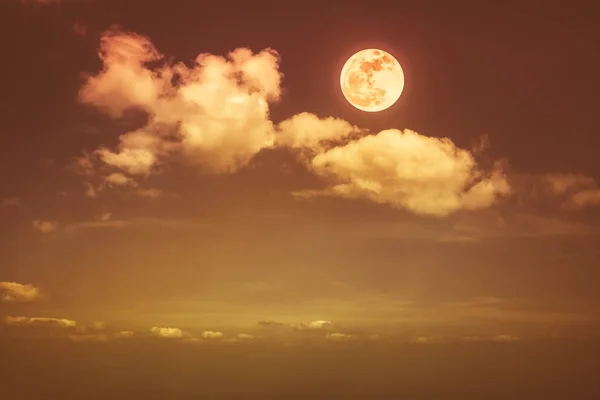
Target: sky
{"type": "Point", "coordinates": [179, 176]}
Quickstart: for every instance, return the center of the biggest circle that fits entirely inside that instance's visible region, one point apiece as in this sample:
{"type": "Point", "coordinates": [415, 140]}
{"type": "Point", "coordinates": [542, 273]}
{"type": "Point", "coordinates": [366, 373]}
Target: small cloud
{"type": "Point", "coordinates": [90, 191]}
{"type": "Point", "coordinates": [11, 202]}
{"type": "Point", "coordinates": [577, 191]}
{"type": "Point", "coordinates": [98, 326]}
{"type": "Point", "coordinates": [101, 337]}
{"type": "Point", "coordinates": [80, 28]}
{"type": "Point", "coordinates": [211, 335]}
{"type": "Point", "coordinates": [319, 325]}
{"type": "Point", "coordinates": [561, 184]}
{"type": "Point", "coordinates": [45, 226]}
{"type": "Point", "coordinates": [586, 198]}
{"type": "Point", "coordinates": [150, 193]}
{"type": "Point", "coordinates": [107, 222]}
{"type": "Point", "coordinates": [270, 324]}
{"type": "Point", "coordinates": [506, 338]}
{"type": "Point", "coordinates": [119, 179]}
{"type": "Point", "coordinates": [40, 321]}
{"type": "Point", "coordinates": [427, 339]}
{"type": "Point", "coordinates": [105, 217]}
{"type": "Point", "coordinates": [17, 292]}
{"type": "Point", "coordinates": [340, 336]}
{"type": "Point", "coordinates": [241, 337]}
{"type": "Point", "coordinates": [124, 334]}
{"type": "Point", "coordinates": [170, 333]}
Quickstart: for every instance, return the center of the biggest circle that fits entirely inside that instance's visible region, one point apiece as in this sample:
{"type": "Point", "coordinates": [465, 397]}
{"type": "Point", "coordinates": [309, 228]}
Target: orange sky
{"type": "Point", "coordinates": [170, 174]}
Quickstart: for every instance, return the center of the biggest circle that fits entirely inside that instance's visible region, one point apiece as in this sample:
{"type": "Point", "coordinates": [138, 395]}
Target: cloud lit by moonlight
{"type": "Point", "coordinates": [215, 114]}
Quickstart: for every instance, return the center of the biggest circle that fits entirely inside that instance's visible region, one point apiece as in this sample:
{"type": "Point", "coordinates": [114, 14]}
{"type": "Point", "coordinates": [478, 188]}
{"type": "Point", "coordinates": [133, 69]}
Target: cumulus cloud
{"type": "Point", "coordinates": [40, 321]}
{"type": "Point", "coordinates": [215, 114]}
{"type": "Point", "coordinates": [307, 131]}
{"type": "Point", "coordinates": [319, 325]}
{"type": "Point", "coordinates": [211, 335]}
{"type": "Point", "coordinates": [45, 226]}
{"type": "Point", "coordinates": [17, 292]}
{"type": "Point", "coordinates": [407, 170]}
{"type": "Point", "coordinates": [169, 333]}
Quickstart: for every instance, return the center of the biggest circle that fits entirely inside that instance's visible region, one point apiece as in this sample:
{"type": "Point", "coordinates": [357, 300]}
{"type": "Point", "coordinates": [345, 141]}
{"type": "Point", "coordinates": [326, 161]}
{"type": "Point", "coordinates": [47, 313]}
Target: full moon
{"type": "Point", "coordinates": [372, 80]}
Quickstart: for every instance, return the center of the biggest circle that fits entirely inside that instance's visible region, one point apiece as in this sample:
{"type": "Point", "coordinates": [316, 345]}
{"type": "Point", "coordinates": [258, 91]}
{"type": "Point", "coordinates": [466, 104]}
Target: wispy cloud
{"type": "Point", "coordinates": [106, 221]}
{"type": "Point", "coordinates": [40, 321]}
{"type": "Point", "coordinates": [17, 292]}
{"type": "Point", "coordinates": [101, 337]}
{"type": "Point", "coordinates": [45, 226]}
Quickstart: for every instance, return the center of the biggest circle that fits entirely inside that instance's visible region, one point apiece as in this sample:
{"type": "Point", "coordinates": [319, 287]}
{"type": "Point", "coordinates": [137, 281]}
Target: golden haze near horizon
{"type": "Point", "coordinates": [408, 183]}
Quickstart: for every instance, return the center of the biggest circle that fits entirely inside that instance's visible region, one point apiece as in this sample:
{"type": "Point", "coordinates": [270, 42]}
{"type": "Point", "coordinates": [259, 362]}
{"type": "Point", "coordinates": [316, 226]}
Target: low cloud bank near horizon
{"type": "Point", "coordinates": [312, 332]}
{"type": "Point", "coordinates": [214, 115]}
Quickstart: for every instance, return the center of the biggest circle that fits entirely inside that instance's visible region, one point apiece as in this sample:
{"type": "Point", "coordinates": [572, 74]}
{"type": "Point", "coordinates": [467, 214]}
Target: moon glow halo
{"type": "Point", "coordinates": [372, 80]}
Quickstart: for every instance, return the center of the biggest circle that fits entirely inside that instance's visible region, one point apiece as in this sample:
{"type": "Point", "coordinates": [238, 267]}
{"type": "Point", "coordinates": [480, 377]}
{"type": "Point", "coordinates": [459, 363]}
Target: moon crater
{"type": "Point", "coordinates": [372, 80]}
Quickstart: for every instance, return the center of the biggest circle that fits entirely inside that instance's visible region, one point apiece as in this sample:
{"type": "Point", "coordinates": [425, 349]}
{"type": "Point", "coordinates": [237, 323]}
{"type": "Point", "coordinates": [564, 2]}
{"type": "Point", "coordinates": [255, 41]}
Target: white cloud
{"type": "Point", "coordinates": [45, 226]}
{"type": "Point", "coordinates": [118, 179]}
{"type": "Point", "coordinates": [340, 336]}
{"type": "Point", "coordinates": [319, 325]}
{"type": "Point", "coordinates": [308, 131]}
{"type": "Point", "coordinates": [211, 335]}
{"type": "Point", "coordinates": [407, 170]}
{"type": "Point", "coordinates": [17, 292]}
{"type": "Point", "coordinates": [40, 321]}
{"type": "Point", "coordinates": [167, 332]}
{"type": "Point", "coordinates": [244, 336]}
{"type": "Point", "coordinates": [215, 116]}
